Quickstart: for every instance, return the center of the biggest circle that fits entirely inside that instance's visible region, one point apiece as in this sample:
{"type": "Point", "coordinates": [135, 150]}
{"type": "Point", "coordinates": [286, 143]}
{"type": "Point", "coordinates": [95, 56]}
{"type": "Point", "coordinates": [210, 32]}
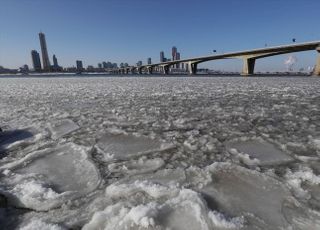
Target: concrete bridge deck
{"type": "Point", "coordinates": [249, 57]}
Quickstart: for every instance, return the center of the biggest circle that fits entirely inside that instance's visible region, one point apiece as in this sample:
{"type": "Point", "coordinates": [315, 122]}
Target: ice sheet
{"type": "Point", "coordinates": [120, 147]}
{"type": "Point", "coordinates": [62, 127]}
{"type": "Point", "coordinates": [264, 152]}
{"type": "Point", "coordinates": [51, 177]}
{"type": "Point", "coordinates": [156, 152]}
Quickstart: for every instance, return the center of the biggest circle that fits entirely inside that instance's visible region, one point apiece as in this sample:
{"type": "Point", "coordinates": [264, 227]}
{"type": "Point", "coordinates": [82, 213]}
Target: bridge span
{"type": "Point", "coordinates": [249, 58]}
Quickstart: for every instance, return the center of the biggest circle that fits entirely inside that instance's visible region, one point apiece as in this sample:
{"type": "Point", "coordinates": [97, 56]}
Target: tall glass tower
{"type": "Point", "coordinates": [44, 51]}
{"type": "Point", "coordinates": [36, 60]}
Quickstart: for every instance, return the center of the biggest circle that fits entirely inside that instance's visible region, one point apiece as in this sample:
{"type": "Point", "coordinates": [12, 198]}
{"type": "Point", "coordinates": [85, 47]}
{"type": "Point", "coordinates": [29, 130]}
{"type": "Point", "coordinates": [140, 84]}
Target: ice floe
{"type": "Point", "coordinates": [62, 127]}
{"type": "Point", "coordinates": [139, 166]}
{"type": "Point", "coordinates": [121, 147]}
{"type": "Point", "coordinates": [48, 178]}
{"type": "Point", "coordinates": [241, 192]}
{"type": "Point", "coordinates": [258, 152]}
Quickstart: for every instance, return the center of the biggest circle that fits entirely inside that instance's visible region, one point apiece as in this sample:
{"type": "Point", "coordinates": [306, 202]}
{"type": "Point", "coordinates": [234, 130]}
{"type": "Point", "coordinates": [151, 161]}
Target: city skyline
{"type": "Point", "coordinates": [204, 30]}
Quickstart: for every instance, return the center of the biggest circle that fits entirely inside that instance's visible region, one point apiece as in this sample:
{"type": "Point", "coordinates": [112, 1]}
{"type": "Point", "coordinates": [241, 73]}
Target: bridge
{"type": "Point", "coordinates": [249, 58]}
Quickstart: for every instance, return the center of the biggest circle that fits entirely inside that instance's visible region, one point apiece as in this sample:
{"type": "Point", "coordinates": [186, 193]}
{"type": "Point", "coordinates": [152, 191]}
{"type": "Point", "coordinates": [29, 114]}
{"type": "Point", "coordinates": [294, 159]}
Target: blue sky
{"type": "Point", "coordinates": [132, 30]}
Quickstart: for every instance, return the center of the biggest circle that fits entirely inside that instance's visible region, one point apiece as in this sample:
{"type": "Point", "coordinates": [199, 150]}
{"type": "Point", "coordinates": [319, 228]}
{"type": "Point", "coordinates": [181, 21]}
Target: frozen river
{"type": "Point", "coordinates": [160, 153]}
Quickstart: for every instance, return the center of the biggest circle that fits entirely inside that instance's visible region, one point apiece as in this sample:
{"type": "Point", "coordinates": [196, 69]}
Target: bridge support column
{"type": "Point", "coordinates": [317, 67]}
{"type": "Point", "coordinates": [165, 69]}
{"type": "Point", "coordinates": [248, 66]}
{"type": "Point", "coordinates": [192, 66]}
{"type": "Point", "coordinates": [127, 71]}
{"type": "Point", "coordinates": [139, 70]}
{"type": "Point", "coordinates": [150, 70]}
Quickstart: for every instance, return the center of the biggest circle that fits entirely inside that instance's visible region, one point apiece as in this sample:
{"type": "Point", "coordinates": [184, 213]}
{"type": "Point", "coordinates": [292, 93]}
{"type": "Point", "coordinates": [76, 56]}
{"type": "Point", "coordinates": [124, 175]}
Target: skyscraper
{"type": "Point", "coordinates": [174, 53]}
{"type": "Point", "coordinates": [36, 60]}
{"type": "Point", "coordinates": [44, 52]}
{"type": "Point", "coordinates": [177, 58]}
{"type": "Point", "coordinates": [79, 65]}
{"type": "Point", "coordinates": [149, 61]}
{"type": "Point", "coordinates": [161, 56]}
{"type": "Point", "coordinates": [55, 61]}
{"type": "Point", "coordinates": [139, 63]}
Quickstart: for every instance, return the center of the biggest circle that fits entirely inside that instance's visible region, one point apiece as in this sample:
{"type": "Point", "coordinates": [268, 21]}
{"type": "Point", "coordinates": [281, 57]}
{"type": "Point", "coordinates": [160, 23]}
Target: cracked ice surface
{"type": "Point", "coordinates": [48, 178]}
{"type": "Point", "coordinates": [159, 153]}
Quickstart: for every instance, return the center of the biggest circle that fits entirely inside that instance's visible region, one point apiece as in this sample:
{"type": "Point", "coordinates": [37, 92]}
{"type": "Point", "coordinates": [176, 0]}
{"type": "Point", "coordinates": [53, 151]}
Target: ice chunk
{"type": "Point", "coordinates": [137, 166]}
{"type": "Point", "coordinates": [172, 208]}
{"type": "Point", "coordinates": [125, 146]}
{"type": "Point", "coordinates": [52, 176]}
{"type": "Point", "coordinates": [163, 177]}
{"type": "Point", "coordinates": [40, 225]}
{"type": "Point", "coordinates": [62, 128]}
{"type": "Point", "coordinates": [316, 143]}
{"type": "Point", "coordinates": [303, 175]}
{"type": "Point", "coordinates": [241, 192]}
{"type": "Point", "coordinates": [264, 152]}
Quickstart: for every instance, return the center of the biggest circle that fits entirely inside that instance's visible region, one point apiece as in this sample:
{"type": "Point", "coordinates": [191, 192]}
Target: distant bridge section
{"type": "Point", "coordinates": [249, 58]}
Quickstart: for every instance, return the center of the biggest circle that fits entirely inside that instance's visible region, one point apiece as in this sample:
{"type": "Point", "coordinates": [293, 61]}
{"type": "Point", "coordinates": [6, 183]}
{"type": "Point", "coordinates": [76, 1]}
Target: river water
{"type": "Point", "coordinates": [160, 153]}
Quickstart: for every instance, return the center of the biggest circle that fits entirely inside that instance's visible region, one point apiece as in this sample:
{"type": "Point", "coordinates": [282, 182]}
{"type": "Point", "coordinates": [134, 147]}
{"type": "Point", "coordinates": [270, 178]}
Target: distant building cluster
{"type": "Point", "coordinates": [41, 63]}
{"type": "Point", "coordinates": [175, 56]}
{"type": "Point", "coordinates": [36, 61]}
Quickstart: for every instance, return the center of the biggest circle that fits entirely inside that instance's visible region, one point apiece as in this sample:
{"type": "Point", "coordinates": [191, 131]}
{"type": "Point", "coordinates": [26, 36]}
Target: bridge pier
{"type": "Point", "coordinates": [248, 66]}
{"type": "Point", "coordinates": [150, 70]}
{"type": "Point", "coordinates": [127, 71]}
{"type": "Point", "coordinates": [139, 70]}
{"type": "Point", "coordinates": [192, 66]}
{"type": "Point", "coordinates": [317, 67]}
{"type": "Point", "coordinates": [165, 69]}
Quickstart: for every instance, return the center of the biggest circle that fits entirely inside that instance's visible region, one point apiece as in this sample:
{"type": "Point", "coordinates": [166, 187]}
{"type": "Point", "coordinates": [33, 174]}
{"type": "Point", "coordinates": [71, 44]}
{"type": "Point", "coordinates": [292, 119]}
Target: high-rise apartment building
{"type": "Point", "coordinates": [174, 53]}
{"type": "Point", "coordinates": [36, 60]}
{"type": "Point", "coordinates": [44, 52]}
{"type": "Point", "coordinates": [177, 58]}
{"type": "Point", "coordinates": [79, 65]}
{"type": "Point", "coordinates": [149, 61]}
{"type": "Point", "coordinates": [161, 56]}
{"type": "Point", "coordinates": [55, 61]}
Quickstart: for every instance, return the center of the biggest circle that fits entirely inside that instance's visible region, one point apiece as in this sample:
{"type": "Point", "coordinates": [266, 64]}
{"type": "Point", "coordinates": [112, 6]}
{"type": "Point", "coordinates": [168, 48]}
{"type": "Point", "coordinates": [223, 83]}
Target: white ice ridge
{"type": "Point", "coordinates": [47, 178]}
{"type": "Point", "coordinates": [62, 128]}
{"type": "Point", "coordinates": [303, 175]}
{"type": "Point", "coordinates": [41, 225]}
{"type": "Point", "coordinates": [171, 208]}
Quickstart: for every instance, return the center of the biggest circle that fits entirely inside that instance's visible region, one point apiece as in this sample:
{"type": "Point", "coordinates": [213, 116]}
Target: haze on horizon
{"type": "Point", "coordinates": [128, 31]}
